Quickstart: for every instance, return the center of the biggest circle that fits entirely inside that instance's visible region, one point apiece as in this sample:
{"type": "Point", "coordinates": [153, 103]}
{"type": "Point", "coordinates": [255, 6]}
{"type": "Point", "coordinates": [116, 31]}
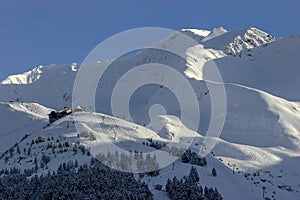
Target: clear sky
{"type": "Point", "coordinates": [39, 32]}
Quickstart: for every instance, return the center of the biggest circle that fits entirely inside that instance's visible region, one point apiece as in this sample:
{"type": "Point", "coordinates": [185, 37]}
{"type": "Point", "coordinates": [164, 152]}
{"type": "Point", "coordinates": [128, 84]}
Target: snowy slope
{"type": "Point", "coordinates": [129, 136]}
{"type": "Point", "coordinates": [48, 85]}
{"type": "Point", "coordinates": [260, 119]}
{"type": "Point", "coordinates": [247, 158]}
{"type": "Point", "coordinates": [19, 119]}
{"type": "Point", "coordinates": [261, 132]}
{"type": "Point", "coordinates": [273, 68]}
{"type": "Point", "coordinates": [273, 166]}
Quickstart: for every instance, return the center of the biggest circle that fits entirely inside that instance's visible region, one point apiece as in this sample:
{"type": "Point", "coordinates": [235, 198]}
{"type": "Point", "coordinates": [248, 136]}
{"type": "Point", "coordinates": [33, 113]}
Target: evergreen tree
{"type": "Point", "coordinates": [168, 185]}
{"type": "Point", "coordinates": [194, 176]}
{"type": "Point", "coordinates": [18, 149]}
{"type": "Point", "coordinates": [96, 182]}
{"type": "Point", "coordinates": [187, 189]}
{"type": "Point", "coordinates": [213, 172]}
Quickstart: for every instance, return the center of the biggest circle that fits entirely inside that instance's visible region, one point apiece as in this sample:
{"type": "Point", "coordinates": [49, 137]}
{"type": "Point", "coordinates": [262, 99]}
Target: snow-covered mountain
{"type": "Point", "coordinates": [261, 135]}
{"type": "Point", "coordinates": [57, 80]}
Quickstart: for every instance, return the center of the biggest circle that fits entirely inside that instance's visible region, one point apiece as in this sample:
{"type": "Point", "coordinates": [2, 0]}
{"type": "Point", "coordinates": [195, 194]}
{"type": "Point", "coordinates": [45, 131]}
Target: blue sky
{"type": "Point", "coordinates": [36, 32]}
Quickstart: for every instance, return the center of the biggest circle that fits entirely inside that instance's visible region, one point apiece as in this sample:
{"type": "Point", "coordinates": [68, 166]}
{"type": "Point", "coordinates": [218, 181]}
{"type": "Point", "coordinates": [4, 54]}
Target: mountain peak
{"type": "Point", "coordinates": [199, 32]}
{"type": "Point", "coordinates": [24, 78]}
{"type": "Point", "coordinates": [215, 33]}
{"type": "Point", "coordinates": [251, 37]}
